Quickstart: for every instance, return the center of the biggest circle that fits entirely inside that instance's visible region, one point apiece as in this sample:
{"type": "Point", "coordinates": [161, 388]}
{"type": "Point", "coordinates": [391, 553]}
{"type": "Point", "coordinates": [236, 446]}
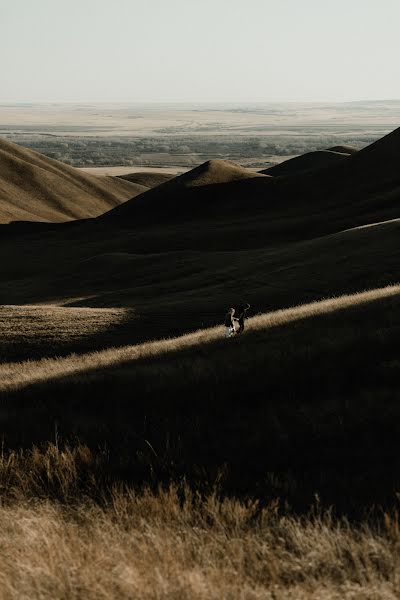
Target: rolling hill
{"type": "Point", "coordinates": [343, 149]}
{"type": "Point", "coordinates": [37, 188]}
{"type": "Point", "coordinates": [215, 233]}
{"type": "Point", "coordinates": [303, 392]}
{"type": "Point", "coordinates": [305, 162]}
{"type": "Point", "coordinates": [147, 179]}
{"type": "Point", "coordinates": [111, 327]}
{"type": "Point", "coordinates": [353, 190]}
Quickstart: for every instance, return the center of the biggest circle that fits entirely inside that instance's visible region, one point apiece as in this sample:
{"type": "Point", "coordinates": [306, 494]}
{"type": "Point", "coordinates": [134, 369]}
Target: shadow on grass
{"type": "Point", "coordinates": [297, 408]}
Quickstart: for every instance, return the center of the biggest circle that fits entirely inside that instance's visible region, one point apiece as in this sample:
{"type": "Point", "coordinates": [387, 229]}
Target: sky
{"type": "Point", "coordinates": [199, 50]}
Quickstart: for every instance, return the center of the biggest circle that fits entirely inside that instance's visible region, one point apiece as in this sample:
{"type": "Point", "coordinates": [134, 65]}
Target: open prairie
{"type": "Point", "coordinates": [182, 135]}
{"type": "Point", "coordinates": [185, 463]}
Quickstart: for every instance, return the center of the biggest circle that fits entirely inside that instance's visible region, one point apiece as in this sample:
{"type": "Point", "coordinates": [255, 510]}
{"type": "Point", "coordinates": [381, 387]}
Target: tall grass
{"type": "Point", "coordinates": [175, 543]}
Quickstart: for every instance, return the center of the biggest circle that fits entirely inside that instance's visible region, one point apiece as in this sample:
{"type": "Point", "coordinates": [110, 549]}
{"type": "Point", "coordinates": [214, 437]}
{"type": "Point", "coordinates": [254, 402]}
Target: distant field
{"type": "Point", "coordinates": [186, 135]}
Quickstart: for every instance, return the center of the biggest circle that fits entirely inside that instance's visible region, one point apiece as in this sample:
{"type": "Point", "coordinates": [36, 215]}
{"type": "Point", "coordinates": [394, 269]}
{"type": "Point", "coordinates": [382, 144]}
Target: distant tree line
{"type": "Point", "coordinates": [85, 151]}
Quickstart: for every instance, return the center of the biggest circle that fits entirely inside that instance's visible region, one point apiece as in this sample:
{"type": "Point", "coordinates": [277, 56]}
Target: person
{"type": "Point", "coordinates": [240, 316]}
{"type": "Point", "coordinates": [230, 323]}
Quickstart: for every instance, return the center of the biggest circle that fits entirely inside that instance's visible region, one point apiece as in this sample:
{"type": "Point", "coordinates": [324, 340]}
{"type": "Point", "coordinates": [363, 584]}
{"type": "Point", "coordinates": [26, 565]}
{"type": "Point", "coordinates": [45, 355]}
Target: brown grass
{"type": "Point", "coordinates": [175, 543]}
{"type": "Point", "coordinates": [34, 187]}
{"type": "Point", "coordinates": [18, 375]}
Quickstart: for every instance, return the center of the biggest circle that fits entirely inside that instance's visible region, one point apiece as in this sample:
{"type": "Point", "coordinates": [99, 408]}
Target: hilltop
{"type": "Point", "coordinates": [305, 162]}
{"type": "Point", "coordinates": [214, 172]}
{"type": "Point", "coordinates": [34, 187]}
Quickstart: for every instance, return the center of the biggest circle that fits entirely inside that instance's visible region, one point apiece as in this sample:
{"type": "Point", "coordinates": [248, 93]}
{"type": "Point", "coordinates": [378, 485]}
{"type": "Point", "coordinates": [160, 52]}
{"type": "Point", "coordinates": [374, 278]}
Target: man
{"type": "Point", "coordinates": [229, 323]}
{"type": "Point", "coordinates": [240, 316]}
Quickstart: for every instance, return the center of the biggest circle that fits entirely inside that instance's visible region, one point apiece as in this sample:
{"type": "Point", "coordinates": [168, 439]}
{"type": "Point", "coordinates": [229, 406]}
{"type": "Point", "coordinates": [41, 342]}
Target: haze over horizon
{"type": "Point", "coordinates": [187, 52]}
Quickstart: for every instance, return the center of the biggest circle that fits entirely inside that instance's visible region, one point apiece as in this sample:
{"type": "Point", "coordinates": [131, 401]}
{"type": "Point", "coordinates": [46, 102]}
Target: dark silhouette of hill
{"type": "Point", "coordinates": [368, 181]}
{"type": "Point", "coordinates": [305, 162]}
{"type": "Point", "coordinates": [205, 188]}
{"type": "Point", "coordinates": [343, 149]}
{"type": "Point", "coordinates": [214, 172]}
{"type": "Point", "coordinates": [353, 190]}
{"type": "Point", "coordinates": [188, 246]}
{"type": "Point", "coordinates": [147, 179]}
{"type": "Point", "coordinates": [34, 187]}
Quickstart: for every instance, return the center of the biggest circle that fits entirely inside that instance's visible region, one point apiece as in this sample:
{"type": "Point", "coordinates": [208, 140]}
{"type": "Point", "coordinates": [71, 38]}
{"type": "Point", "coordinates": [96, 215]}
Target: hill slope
{"type": "Point", "coordinates": [353, 190]}
{"type": "Point", "coordinates": [344, 149]}
{"type": "Point", "coordinates": [147, 179]}
{"type": "Point", "coordinates": [305, 162]}
{"type": "Point", "coordinates": [34, 187]}
{"type": "Point", "coordinates": [201, 189]}
{"type": "Point", "coordinates": [213, 172]}
{"type": "Point", "coordinates": [285, 406]}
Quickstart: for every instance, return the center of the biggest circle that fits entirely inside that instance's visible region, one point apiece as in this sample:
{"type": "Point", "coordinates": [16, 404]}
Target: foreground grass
{"type": "Point", "coordinates": [58, 541]}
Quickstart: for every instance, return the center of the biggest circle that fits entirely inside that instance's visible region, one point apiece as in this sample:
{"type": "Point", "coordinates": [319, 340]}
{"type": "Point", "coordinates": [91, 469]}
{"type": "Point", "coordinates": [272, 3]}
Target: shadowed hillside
{"type": "Point", "coordinates": [34, 187]}
{"type": "Point", "coordinates": [213, 172]}
{"type": "Point", "coordinates": [138, 296]}
{"type": "Point", "coordinates": [344, 149]}
{"type": "Point", "coordinates": [305, 162]}
{"type": "Point", "coordinates": [147, 179]}
{"type": "Point", "coordinates": [354, 190]}
{"type": "Point", "coordinates": [283, 407]}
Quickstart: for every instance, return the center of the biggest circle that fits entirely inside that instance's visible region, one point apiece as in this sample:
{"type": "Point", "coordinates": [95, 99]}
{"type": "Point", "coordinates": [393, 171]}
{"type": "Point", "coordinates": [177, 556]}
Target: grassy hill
{"type": "Point", "coordinates": [303, 392]}
{"type": "Point", "coordinates": [147, 179]}
{"type": "Point", "coordinates": [34, 187]}
{"type": "Point", "coordinates": [305, 401]}
{"type": "Point", "coordinates": [305, 162]}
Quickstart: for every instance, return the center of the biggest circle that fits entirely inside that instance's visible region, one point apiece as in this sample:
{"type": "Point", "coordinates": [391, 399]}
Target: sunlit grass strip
{"type": "Point", "coordinates": [19, 375]}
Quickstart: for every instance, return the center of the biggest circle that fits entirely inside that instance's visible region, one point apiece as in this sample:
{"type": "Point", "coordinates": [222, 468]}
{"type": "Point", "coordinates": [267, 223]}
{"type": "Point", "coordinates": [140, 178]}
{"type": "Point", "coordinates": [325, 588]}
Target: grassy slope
{"type": "Point", "coordinates": [147, 178]}
{"type": "Point", "coordinates": [305, 162]}
{"type": "Point", "coordinates": [290, 396]}
{"type": "Point", "coordinates": [303, 393]}
{"type": "Point", "coordinates": [305, 402]}
{"type": "Point", "coordinates": [195, 246]}
{"type": "Point", "coordinates": [36, 188]}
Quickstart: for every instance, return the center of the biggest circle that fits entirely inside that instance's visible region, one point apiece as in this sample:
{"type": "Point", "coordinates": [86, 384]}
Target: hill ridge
{"type": "Point", "coordinates": [34, 187]}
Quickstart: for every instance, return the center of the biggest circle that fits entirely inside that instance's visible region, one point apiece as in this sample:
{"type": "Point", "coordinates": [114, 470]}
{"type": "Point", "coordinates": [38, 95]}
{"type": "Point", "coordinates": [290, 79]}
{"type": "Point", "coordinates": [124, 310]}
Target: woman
{"type": "Point", "coordinates": [230, 323]}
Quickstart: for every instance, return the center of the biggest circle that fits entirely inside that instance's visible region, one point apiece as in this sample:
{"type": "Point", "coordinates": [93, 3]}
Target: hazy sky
{"type": "Point", "coordinates": [198, 50]}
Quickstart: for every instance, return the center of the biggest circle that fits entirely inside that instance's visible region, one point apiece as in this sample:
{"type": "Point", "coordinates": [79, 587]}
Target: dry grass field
{"type": "Point", "coordinates": [46, 323]}
{"type": "Point", "coordinates": [65, 534]}
{"type": "Point", "coordinates": [37, 188]}
{"type": "Point", "coordinates": [278, 410]}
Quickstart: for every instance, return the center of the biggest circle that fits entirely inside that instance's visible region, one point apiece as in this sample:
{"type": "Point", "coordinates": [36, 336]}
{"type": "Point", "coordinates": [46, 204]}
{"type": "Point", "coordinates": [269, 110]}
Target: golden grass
{"type": "Point", "coordinates": [34, 187]}
{"type": "Point", "coordinates": [58, 322]}
{"type": "Point", "coordinates": [176, 544]}
{"type": "Point", "coordinates": [18, 375]}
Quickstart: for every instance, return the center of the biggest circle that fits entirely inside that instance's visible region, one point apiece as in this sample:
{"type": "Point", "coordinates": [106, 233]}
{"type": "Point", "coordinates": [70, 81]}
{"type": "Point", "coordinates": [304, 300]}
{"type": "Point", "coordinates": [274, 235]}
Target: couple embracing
{"type": "Point", "coordinates": [233, 316]}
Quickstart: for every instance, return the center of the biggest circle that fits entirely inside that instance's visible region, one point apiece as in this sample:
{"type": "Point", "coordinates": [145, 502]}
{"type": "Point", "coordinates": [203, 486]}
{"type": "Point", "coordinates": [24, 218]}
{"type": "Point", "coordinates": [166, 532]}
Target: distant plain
{"type": "Point", "coordinates": [185, 135]}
